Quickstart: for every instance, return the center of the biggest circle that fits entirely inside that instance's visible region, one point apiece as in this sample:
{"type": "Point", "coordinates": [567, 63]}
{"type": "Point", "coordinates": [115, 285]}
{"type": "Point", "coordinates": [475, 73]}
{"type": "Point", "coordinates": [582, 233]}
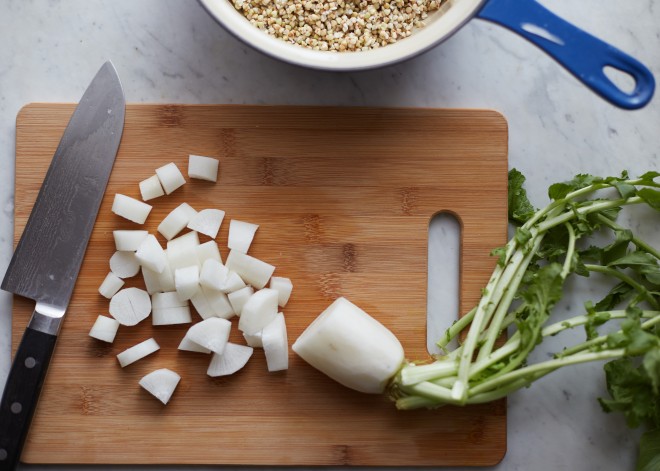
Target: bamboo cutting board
{"type": "Point", "coordinates": [343, 197]}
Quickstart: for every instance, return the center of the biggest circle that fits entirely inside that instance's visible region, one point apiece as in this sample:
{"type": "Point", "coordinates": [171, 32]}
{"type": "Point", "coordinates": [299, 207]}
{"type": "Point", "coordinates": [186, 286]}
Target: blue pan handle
{"type": "Point", "coordinates": [580, 53]}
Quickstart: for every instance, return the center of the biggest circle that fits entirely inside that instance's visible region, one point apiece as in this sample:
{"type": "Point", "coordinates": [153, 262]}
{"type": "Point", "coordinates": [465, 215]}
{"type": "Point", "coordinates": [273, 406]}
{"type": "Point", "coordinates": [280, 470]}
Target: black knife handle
{"type": "Point", "coordinates": [19, 399]}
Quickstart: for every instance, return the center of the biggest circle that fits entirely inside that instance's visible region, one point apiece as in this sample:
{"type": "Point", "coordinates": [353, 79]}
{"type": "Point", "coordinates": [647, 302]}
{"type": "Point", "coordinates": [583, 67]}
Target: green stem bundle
{"type": "Point", "coordinates": [549, 246]}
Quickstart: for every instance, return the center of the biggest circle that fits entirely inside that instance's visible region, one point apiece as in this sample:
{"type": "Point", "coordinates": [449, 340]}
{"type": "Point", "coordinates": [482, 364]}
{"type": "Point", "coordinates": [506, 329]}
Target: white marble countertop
{"type": "Point", "coordinates": [172, 51]}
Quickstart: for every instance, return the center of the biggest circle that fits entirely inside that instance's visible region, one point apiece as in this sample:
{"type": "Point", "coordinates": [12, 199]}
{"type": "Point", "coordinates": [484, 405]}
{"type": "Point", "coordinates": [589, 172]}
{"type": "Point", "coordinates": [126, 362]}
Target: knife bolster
{"type": "Point", "coordinates": [43, 320]}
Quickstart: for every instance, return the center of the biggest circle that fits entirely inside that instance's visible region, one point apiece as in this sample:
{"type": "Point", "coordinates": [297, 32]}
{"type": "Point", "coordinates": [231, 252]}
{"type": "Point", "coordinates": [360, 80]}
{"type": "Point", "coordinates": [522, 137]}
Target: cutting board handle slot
{"type": "Point", "coordinates": [443, 285]}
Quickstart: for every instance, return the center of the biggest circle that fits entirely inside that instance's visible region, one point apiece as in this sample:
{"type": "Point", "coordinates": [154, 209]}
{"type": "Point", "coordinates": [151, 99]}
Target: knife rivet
{"type": "Point", "coordinates": [3, 454]}
{"type": "Point", "coordinates": [30, 362]}
{"type": "Point", "coordinates": [16, 407]}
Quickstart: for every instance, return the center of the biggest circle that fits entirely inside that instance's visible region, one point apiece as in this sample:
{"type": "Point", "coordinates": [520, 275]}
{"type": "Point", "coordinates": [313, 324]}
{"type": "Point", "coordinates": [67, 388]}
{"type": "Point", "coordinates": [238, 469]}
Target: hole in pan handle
{"type": "Point", "coordinates": [582, 54]}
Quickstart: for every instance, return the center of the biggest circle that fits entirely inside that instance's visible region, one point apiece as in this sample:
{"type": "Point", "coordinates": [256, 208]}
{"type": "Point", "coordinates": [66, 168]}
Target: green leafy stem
{"type": "Point", "coordinates": [548, 247]}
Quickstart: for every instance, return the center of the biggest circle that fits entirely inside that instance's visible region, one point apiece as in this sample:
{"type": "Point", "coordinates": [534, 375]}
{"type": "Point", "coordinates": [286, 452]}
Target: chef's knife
{"type": "Point", "coordinates": [48, 256]}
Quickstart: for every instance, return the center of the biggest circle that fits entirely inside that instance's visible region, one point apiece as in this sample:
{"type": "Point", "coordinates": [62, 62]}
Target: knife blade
{"type": "Point", "coordinates": [48, 256]}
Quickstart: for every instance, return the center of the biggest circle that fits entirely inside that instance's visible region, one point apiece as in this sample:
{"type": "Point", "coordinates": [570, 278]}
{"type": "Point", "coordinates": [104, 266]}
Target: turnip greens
{"type": "Point", "coordinates": [549, 246]}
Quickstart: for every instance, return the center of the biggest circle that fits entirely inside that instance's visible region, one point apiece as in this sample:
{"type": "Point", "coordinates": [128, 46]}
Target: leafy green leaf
{"type": "Point", "coordinates": [648, 177]}
{"type": "Point", "coordinates": [543, 292]}
{"type": "Point", "coordinates": [560, 190]}
{"type": "Point", "coordinates": [635, 339]}
{"type": "Point", "coordinates": [631, 393]}
{"type": "Point", "coordinates": [626, 190]}
{"type": "Point", "coordinates": [620, 183]}
{"type": "Point", "coordinates": [652, 197]}
{"type": "Point", "coordinates": [654, 277]}
{"type": "Point", "coordinates": [579, 267]}
{"type": "Point", "coordinates": [622, 178]}
{"type": "Point", "coordinates": [591, 254]}
{"type": "Point", "coordinates": [554, 245]}
{"type": "Point", "coordinates": [611, 213]}
{"type": "Point", "coordinates": [642, 263]}
{"type": "Point", "coordinates": [615, 297]}
{"type": "Point", "coordinates": [500, 253]}
{"type": "Point", "coordinates": [651, 365]}
{"type": "Point", "coordinates": [618, 248]}
{"type": "Point", "coordinates": [520, 209]}
{"type": "Point", "coordinates": [635, 258]}
{"type": "Point", "coordinates": [530, 273]}
{"type": "Point", "coordinates": [639, 341]}
{"type": "Point", "coordinates": [649, 451]}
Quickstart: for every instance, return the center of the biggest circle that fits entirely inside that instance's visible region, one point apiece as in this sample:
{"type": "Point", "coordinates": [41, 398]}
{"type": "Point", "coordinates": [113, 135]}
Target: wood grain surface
{"type": "Point", "coordinates": [343, 197]}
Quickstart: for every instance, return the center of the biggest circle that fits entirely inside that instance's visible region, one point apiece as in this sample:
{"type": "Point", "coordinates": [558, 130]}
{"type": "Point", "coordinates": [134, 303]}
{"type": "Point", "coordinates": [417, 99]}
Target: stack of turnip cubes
{"type": "Point", "coordinates": [184, 270]}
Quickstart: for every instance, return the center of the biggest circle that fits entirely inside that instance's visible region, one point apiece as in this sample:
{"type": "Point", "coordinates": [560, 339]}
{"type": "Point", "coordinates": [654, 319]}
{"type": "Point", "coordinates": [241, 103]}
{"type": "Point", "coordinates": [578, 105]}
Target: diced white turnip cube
{"type": "Point", "coordinates": [259, 311]}
{"type": "Point", "coordinates": [130, 306]}
{"type": "Point", "coordinates": [152, 281]}
{"type": "Point", "coordinates": [151, 188]}
{"type": "Point", "coordinates": [186, 241]}
{"type": "Point", "coordinates": [207, 222]}
{"type": "Point", "coordinates": [252, 270]}
{"type": "Point", "coordinates": [171, 315]}
{"type": "Point", "coordinates": [232, 283]}
{"type": "Point", "coordinates": [161, 384]}
{"type": "Point", "coordinates": [239, 298]}
{"type": "Point", "coordinates": [167, 299]}
{"type": "Point", "coordinates": [124, 264]}
{"type": "Point", "coordinates": [176, 220]}
{"type": "Point", "coordinates": [202, 305]}
{"type": "Point", "coordinates": [211, 333]}
{"type": "Point", "coordinates": [213, 274]}
{"type": "Point", "coordinates": [230, 361]}
{"type": "Point", "coordinates": [283, 286]}
{"type": "Point", "coordinates": [208, 250]}
{"type": "Point", "coordinates": [217, 277]}
{"type": "Point", "coordinates": [168, 309]}
{"type": "Point", "coordinates": [111, 284]}
{"type": "Point", "coordinates": [151, 255]}
{"type": "Point", "coordinates": [166, 278]}
{"type": "Point", "coordinates": [137, 352]}
{"type": "Point", "coordinates": [189, 346]}
{"type": "Point", "coordinates": [203, 168]}
{"type": "Point", "coordinates": [182, 251]}
{"type": "Point", "coordinates": [275, 344]}
{"type": "Point", "coordinates": [186, 281]}
{"type": "Point", "coordinates": [128, 240]}
{"type": "Point", "coordinates": [254, 340]}
{"type": "Point", "coordinates": [104, 329]}
{"type": "Point", "coordinates": [219, 303]}
{"type": "Point", "coordinates": [240, 235]}
{"type": "Point", "coordinates": [130, 208]}
{"type": "Point", "coordinates": [170, 177]}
